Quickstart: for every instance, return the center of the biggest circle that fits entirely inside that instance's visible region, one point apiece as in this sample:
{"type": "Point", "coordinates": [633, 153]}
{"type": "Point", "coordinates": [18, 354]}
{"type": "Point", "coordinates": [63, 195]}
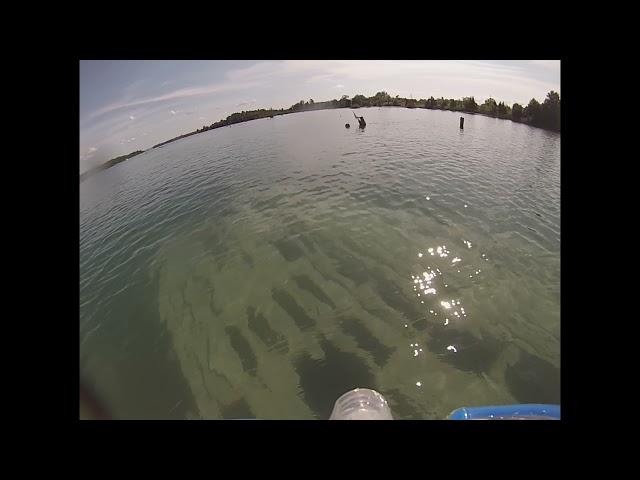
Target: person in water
{"type": "Point", "coordinates": [360, 120]}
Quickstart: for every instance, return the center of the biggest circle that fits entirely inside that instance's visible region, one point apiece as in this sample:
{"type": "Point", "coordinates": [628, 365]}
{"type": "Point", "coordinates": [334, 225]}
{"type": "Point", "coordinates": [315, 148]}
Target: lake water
{"type": "Point", "coordinates": [264, 269]}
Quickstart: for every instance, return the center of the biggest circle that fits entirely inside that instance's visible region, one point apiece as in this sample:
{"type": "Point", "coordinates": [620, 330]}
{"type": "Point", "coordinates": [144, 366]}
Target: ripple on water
{"type": "Point", "coordinates": [281, 261]}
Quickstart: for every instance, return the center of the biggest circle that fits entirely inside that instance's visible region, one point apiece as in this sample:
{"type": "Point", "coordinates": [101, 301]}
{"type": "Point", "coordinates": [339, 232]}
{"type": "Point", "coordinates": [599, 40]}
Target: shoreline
{"type": "Point", "coordinates": [344, 103]}
{"type": "Point", "coordinates": [227, 124]}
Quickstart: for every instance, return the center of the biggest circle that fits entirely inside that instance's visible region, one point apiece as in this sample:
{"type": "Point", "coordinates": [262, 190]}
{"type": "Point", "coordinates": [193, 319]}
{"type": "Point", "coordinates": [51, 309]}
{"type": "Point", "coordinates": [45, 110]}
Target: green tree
{"type": "Point", "coordinates": [516, 111]}
{"type": "Point", "coordinates": [489, 107]}
{"type": "Point", "coordinates": [359, 100]}
{"type": "Point", "coordinates": [469, 104]}
{"type": "Point", "coordinates": [501, 109]}
{"type": "Point", "coordinates": [550, 111]}
{"type": "Point", "coordinates": [344, 101]}
{"type": "Point", "coordinates": [430, 103]}
{"type": "Point", "coordinates": [399, 102]}
{"type": "Point", "coordinates": [532, 112]}
{"type": "Point", "coordinates": [553, 98]}
{"type": "Point", "coordinates": [381, 98]}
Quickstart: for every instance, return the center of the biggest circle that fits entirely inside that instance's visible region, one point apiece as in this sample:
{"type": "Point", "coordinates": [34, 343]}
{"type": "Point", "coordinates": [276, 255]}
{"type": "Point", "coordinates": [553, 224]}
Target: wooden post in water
{"type": "Point", "coordinates": [461, 123]}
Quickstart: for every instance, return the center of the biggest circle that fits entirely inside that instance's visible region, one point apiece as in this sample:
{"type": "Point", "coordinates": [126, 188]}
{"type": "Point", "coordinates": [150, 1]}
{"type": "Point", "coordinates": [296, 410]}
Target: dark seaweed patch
{"type": "Point", "coordinates": [212, 304]}
{"type": "Point", "coordinates": [288, 249]}
{"type": "Point", "coordinates": [392, 295]}
{"type": "Point", "coordinates": [243, 349]}
{"type": "Point", "coordinates": [366, 340]}
{"type": "Point", "coordinates": [348, 266]}
{"type": "Point", "coordinates": [305, 283]}
{"type": "Point", "coordinates": [533, 380]}
{"type": "Point", "coordinates": [323, 381]}
{"type": "Point", "coordinates": [402, 408]}
{"type": "Point", "coordinates": [471, 354]}
{"type": "Point", "coordinates": [295, 311]}
{"type": "Point", "coordinates": [260, 326]}
{"type": "Point", "coordinates": [308, 243]}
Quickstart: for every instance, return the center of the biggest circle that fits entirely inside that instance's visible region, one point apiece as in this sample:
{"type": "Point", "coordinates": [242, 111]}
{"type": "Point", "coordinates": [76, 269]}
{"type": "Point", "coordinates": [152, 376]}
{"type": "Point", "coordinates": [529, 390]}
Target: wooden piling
{"type": "Point", "coordinates": [461, 123]}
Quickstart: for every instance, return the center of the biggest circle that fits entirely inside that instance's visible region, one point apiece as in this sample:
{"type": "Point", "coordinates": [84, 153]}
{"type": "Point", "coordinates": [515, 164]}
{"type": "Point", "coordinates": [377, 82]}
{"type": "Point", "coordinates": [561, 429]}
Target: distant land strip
{"type": "Point", "coordinates": [543, 115]}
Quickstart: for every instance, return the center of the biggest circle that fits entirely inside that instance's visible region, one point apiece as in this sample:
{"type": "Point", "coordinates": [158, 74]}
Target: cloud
{"type": "Point", "coordinates": [177, 94]}
{"type": "Point", "coordinates": [256, 71]}
{"type": "Point", "coordinates": [89, 153]}
{"type": "Point", "coordinates": [321, 78]}
{"type": "Point", "coordinates": [339, 86]}
{"type": "Point", "coordinates": [202, 118]}
{"type": "Point", "coordinates": [131, 117]}
{"type": "Point", "coordinates": [173, 112]}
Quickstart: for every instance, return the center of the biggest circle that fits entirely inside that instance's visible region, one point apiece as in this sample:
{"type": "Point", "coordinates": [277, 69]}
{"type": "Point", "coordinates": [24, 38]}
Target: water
{"type": "Point", "coordinates": [262, 270]}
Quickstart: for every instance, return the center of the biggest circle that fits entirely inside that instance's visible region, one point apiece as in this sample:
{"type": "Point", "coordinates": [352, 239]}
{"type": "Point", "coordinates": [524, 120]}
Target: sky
{"type": "Point", "coordinates": [132, 105]}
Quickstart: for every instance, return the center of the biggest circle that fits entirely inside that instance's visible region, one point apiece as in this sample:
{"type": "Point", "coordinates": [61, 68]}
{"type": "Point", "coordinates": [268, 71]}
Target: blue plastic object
{"type": "Point", "coordinates": [532, 411]}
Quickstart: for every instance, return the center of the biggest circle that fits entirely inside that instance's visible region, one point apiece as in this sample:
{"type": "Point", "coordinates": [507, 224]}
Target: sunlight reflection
{"type": "Point", "coordinates": [424, 284]}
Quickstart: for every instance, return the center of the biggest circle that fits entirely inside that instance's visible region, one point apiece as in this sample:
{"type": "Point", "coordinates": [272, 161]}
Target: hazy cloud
{"type": "Point", "coordinates": [177, 94]}
{"type": "Point", "coordinates": [89, 153]}
{"type": "Point", "coordinates": [131, 117]}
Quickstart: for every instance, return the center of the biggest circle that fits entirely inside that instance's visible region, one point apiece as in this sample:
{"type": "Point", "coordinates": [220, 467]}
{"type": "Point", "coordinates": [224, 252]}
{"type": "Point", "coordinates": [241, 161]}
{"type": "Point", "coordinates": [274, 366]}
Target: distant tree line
{"type": "Point", "coordinates": [109, 163]}
{"type": "Point", "coordinates": [544, 115]}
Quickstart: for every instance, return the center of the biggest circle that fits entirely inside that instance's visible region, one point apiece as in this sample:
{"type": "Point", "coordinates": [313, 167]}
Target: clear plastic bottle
{"type": "Point", "coordinates": [361, 404]}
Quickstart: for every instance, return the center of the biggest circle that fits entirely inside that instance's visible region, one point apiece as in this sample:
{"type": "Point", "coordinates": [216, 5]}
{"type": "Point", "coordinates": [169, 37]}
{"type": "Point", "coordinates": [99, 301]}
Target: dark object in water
{"type": "Point", "coordinates": [461, 123]}
{"type": "Point", "coordinates": [347, 125]}
{"type": "Point", "coordinates": [533, 380]}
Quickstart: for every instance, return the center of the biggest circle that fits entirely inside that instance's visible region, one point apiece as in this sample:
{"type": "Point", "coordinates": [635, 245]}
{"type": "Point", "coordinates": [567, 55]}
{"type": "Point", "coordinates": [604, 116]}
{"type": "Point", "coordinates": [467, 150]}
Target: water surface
{"type": "Point", "coordinates": [261, 270]}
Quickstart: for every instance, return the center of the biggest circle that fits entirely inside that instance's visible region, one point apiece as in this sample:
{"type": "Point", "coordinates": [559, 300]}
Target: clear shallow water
{"type": "Point", "coordinates": [261, 270]}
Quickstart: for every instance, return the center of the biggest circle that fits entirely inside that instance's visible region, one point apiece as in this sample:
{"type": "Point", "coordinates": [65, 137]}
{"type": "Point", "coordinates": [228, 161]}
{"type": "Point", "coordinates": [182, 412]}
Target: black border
{"type": "Point", "coordinates": [421, 43]}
